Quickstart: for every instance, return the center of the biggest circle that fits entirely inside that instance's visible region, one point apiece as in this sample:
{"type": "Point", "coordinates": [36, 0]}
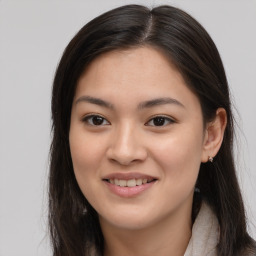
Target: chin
{"type": "Point", "coordinates": [132, 219]}
{"type": "Point", "coordinates": [123, 214]}
{"type": "Point", "coordinates": [128, 222]}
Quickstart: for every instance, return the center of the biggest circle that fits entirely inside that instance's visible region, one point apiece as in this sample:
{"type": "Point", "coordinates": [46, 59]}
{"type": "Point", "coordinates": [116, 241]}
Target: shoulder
{"type": "Point", "coordinates": [251, 251]}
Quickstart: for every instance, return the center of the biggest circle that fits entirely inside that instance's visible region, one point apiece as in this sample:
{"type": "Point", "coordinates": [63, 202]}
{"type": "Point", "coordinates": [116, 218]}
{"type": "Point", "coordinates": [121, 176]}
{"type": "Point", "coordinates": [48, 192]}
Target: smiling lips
{"type": "Point", "coordinates": [130, 182]}
{"type": "Point", "coordinates": [128, 185]}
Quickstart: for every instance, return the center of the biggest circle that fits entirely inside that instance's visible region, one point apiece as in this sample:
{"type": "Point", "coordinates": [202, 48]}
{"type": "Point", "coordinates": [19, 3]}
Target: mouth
{"type": "Point", "coordinates": [129, 185]}
{"type": "Point", "coordinates": [130, 182]}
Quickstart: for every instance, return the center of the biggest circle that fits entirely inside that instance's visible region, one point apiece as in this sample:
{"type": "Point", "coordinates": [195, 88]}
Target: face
{"type": "Point", "coordinates": [136, 139]}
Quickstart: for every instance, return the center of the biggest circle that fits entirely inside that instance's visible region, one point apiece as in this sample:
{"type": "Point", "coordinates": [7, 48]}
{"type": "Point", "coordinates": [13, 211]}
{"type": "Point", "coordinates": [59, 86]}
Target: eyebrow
{"type": "Point", "coordinates": [142, 105]}
{"type": "Point", "coordinates": [95, 101]}
{"type": "Point", "coordinates": [159, 101]}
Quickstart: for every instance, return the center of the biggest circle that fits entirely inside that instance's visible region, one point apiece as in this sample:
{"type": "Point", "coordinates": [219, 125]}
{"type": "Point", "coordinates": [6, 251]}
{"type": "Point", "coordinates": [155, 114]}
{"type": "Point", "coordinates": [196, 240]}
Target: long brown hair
{"type": "Point", "coordinates": [74, 224]}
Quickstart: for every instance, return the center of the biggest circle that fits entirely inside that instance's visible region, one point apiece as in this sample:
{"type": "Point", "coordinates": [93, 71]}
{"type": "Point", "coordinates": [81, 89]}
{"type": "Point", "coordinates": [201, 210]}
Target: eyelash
{"type": "Point", "coordinates": [165, 118]}
{"type": "Point", "coordinates": [89, 120]}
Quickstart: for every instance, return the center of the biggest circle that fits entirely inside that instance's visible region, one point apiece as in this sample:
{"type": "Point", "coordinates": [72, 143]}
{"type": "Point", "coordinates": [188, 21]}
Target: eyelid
{"type": "Point", "coordinates": [170, 120]}
{"type": "Point", "coordinates": [88, 116]}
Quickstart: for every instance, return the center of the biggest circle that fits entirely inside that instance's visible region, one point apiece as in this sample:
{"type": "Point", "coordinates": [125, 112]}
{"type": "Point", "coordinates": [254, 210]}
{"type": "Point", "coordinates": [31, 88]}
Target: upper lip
{"type": "Point", "coordinates": [128, 176]}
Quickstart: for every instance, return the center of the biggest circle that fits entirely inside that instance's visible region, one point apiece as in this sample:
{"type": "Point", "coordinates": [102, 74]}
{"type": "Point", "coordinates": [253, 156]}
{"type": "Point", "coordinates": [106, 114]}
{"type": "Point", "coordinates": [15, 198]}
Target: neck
{"type": "Point", "coordinates": [169, 237]}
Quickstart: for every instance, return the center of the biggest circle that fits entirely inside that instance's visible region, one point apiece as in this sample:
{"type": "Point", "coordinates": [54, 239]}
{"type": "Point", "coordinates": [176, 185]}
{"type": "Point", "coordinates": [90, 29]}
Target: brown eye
{"type": "Point", "coordinates": [159, 121]}
{"type": "Point", "coordinates": [95, 120]}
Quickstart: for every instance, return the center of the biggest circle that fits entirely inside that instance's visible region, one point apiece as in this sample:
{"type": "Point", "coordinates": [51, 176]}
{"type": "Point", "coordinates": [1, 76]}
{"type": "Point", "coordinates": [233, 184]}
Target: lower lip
{"type": "Point", "coordinates": [129, 191]}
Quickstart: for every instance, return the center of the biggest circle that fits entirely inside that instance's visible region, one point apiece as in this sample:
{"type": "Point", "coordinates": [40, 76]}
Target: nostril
{"type": "Point", "coordinates": [124, 162]}
{"type": "Point", "coordinates": [126, 152]}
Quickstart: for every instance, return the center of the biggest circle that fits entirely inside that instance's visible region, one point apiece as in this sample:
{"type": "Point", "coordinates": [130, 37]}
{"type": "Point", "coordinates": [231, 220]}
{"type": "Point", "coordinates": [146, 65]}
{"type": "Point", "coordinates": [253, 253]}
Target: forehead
{"type": "Point", "coordinates": [143, 72]}
{"type": "Point", "coordinates": [127, 65]}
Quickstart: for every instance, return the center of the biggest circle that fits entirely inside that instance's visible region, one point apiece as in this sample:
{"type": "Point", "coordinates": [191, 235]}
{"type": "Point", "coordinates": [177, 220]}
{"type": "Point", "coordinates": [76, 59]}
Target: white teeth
{"type": "Point", "coordinates": [129, 183]}
{"type": "Point", "coordinates": [122, 183]}
{"type": "Point", "coordinates": [138, 182]}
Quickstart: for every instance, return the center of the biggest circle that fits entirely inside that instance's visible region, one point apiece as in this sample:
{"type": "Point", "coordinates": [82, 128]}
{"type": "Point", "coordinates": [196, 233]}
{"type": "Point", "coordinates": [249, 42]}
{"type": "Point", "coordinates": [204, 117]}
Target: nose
{"type": "Point", "coordinates": [126, 146]}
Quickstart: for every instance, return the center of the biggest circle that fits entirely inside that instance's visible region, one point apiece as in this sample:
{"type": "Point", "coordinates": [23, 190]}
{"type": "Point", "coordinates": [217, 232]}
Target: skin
{"type": "Point", "coordinates": [158, 220]}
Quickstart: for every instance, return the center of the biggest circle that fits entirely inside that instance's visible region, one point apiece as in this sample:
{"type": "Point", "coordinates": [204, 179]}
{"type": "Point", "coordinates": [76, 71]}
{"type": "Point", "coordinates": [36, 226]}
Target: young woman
{"type": "Point", "coordinates": [141, 157]}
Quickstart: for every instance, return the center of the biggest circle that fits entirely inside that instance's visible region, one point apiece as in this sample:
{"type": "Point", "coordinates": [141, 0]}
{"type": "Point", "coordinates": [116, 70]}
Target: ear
{"type": "Point", "coordinates": [214, 134]}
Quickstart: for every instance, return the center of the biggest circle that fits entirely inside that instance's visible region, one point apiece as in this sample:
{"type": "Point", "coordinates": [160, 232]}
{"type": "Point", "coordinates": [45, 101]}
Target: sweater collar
{"type": "Point", "coordinates": [205, 234]}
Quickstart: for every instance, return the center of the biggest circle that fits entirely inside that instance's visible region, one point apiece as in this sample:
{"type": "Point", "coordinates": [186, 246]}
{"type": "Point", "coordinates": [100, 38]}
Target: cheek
{"type": "Point", "coordinates": [83, 155]}
{"type": "Point", "coordinates": [87, 154]}
{"type": "Point", "coordinates": [86, 161]}
{"type": "Point", "coordinates": [180, 157]}
{"type": "Point", "coordinates": [86, 149]}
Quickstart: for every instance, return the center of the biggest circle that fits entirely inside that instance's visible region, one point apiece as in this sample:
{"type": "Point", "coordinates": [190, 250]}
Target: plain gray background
{"type": "Point", "coordinates": [33, 35]}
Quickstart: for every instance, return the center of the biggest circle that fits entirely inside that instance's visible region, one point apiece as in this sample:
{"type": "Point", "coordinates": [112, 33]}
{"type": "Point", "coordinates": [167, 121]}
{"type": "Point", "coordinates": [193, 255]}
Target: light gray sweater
{"type": "Point", "coordinates": [205, 234]}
